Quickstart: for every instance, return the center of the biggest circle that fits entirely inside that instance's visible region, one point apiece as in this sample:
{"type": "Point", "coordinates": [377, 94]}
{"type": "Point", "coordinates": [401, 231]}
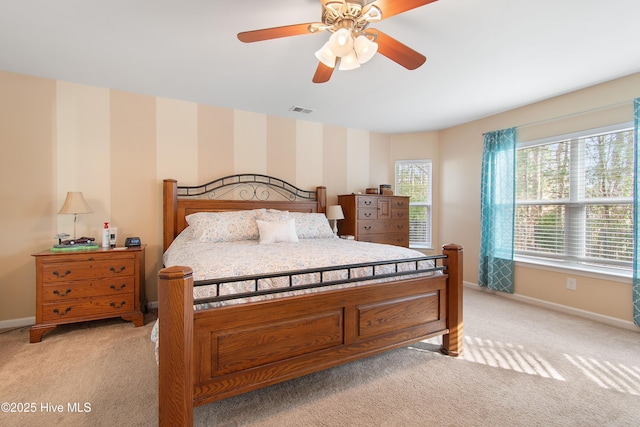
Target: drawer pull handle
{"type": "Point", "coordinates": [58, 275]}
{"type": "Point", "coordinates": [113, 269]}
{"type": "Point", "coordinates": [114, 305]}
{"type": "Point", "coordinates": [400, 227]}
{"type": "Point", "coordinates": [400, 214]}
{"type": "Point", "coordinates": [118, 289]}
{"type": "Point", "coordinates": [368, 227]}
{"type": "Point", "coordinates": [367, 202]}
{"type": "Point", "coordinates": [57, 292]}
{"type": "Point", "coordinates": [367, 214]}
{"type": "Point", "coordinates": [56, 311]}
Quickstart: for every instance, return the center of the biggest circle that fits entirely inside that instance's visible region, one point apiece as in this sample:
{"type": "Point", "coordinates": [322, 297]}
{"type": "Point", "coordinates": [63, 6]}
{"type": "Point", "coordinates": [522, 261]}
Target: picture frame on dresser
{"type": "Point", "coordinates": [88, 285]}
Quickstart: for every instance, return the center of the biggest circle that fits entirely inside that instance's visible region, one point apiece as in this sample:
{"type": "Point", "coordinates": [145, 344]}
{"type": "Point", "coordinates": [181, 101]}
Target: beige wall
{"type": "Point", "coordinates": [460, 155]}
{"type": "Point", "coordinates": [116, 148]}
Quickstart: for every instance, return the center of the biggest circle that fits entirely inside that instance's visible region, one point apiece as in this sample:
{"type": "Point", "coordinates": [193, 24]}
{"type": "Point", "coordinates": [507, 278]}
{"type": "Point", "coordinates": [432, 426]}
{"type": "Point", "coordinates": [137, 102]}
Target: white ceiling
{"type": "Point", "coordinates": [483, 56]}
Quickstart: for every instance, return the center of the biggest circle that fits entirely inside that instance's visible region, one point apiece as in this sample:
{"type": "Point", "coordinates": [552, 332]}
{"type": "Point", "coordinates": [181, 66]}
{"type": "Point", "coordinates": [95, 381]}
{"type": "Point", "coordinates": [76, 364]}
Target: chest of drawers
{"type": "Point", "coordinates": [375, 218]}
{"type": "Point", "coordinates": [88, 285]}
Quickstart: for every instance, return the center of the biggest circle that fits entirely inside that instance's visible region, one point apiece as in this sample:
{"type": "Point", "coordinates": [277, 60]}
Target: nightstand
{"type": "Point", "coordinates": [88, 285]}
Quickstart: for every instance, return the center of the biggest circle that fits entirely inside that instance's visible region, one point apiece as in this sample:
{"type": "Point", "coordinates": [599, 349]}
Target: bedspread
{"type": "Point", "coordinates": [248, 257]}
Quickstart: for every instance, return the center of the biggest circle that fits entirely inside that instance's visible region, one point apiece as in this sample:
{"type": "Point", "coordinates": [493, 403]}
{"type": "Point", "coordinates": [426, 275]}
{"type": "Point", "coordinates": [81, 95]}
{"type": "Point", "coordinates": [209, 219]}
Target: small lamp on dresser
{"type": "Point", "coordinates": [75, 204]}
{"type": "Point", "coordinates": [334, 213]}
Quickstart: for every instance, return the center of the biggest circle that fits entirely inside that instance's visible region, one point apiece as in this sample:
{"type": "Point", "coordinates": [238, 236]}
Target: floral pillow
{"type": "Point", "coordinates": [312, 225]}
{"type": "Point", "coordinates": [225, 226]}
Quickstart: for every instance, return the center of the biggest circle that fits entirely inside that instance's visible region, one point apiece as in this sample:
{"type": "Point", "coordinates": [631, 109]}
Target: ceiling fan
{"type": "Point", "coordinates": [352, 42]}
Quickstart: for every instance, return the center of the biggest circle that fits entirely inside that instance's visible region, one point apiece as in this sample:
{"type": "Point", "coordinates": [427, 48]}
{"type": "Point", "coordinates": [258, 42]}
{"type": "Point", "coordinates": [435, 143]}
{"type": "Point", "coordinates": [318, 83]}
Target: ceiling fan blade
{"type": "Point", "coordinates": [277, 32]}
{"type": "Point", "coordinates": [391, 8]}
{"type": "Point", "coordinates": [398, 52]}
{"type": "Point", "coordinates": [323, 73]}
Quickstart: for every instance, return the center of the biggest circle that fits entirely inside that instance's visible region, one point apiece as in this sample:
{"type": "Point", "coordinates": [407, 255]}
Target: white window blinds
{"type": "Point", "coordinates": [413, 178]}
{"type": "Point", "coordinates": [574, 199]}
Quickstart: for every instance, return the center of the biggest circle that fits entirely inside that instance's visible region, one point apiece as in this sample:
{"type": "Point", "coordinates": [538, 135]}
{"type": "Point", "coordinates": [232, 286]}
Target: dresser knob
{"type": "Point", "coordinates": [114, 305]}
{"type": "Point", "coordinates": [58, 275]}
{"type": "Point", "coordinates": [56, 311]}
{"type": "Point", "coordinates": [367, 214]}
{"type": "Point", "coordinates": [367, 227]}
{"type": "Point", "coordinates": [113, 269]}
{"type": "Point", "coordinates": [122, 286]}
{"type": "Point", "coordinates": [57, 292]}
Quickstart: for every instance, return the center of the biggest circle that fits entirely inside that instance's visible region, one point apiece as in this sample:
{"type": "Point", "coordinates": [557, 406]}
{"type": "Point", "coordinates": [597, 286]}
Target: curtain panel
{"type": "Point", "coordinates": [636, 213]}
{"type": "Point", "coordinates": [497, 211]}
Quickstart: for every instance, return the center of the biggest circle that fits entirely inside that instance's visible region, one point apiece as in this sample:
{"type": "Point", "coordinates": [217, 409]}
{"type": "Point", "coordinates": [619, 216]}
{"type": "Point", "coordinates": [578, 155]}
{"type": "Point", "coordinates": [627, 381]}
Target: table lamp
{"type": "Point", "coordinates": [334, 213]}
{"type": "Point", "coordinates": [75, 204]}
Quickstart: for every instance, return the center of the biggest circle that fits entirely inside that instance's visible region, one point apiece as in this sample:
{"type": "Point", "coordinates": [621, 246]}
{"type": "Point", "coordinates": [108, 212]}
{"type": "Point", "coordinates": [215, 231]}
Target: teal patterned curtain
{"type": "Point", "coordinates": [497, 210]}
{"type": "Point", "coordinates": [636, 214]}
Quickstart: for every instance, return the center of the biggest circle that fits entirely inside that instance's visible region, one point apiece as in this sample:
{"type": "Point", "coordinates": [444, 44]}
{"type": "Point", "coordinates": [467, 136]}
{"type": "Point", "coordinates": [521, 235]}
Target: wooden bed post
{"type": "Point", "coordinates": [169, 211]}
{"type": "Point", "coordinates": [452, 342]}
{"type": "Point", "coordinates": [321, 196]}
{"type": "Point", "coordinates": [175, 352]}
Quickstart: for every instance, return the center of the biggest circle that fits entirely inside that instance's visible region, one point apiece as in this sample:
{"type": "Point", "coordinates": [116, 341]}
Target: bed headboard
{"type": "Point", "coordinates": [234, 193]}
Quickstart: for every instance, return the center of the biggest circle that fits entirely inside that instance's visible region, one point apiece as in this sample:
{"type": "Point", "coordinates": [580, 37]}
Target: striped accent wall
{"type": "Point", "coordinates": [116, 147]}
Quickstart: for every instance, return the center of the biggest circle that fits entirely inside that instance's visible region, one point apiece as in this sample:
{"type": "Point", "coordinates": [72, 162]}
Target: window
{"type": "Point", "coordinates": [413, 178]}
{"type": "Point", "coordinates": [574, 199]}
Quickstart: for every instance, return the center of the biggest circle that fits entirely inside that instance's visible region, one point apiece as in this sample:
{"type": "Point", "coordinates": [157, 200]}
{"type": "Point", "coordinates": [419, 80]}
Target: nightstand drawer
{"type": "Point", "coordinates": [98, 306]}
{"type": "Point", "coordinates": [91, 288]}
{"type": "Point", "coordinates": [82, 270]}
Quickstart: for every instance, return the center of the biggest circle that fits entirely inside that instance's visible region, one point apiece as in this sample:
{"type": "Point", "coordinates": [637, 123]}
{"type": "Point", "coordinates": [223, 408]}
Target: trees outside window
{"type": "Point", "coordinates": [574, 199]}
{"type": "Point", "coordinates": [413, 178]}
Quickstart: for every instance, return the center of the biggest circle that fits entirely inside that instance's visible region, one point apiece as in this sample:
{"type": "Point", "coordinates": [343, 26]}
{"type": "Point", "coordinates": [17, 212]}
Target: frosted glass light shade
{"type": "Point", "coordinates": [349, 62]}
{"type": "Point", "coordinates": [326, 56]}
{"type": "Point", "coordinates": [365, 49]}
{"type": "Point", "coordinates": [341, 42]}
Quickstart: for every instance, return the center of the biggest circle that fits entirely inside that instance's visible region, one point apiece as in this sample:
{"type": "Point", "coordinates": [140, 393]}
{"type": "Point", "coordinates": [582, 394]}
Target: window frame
{"type": "Point", "coordinates": [573, 206]}
{"type": "Point", "coordinates": [428, 244]}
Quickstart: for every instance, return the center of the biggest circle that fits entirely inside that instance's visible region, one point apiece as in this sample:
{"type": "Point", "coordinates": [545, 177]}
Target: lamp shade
{"type": "Point", "coordinates": [335, 212]}
{"type": "Point", "coordinates": [326, 56]}
{"type": "Point", "coordinates": [341, 42]}
{"type": "Point", "coordinates": [365, 49]}
{"type": "Point", "coordinates": [349, 62]}
{"type": "Point", "coordinates": [75, 204]}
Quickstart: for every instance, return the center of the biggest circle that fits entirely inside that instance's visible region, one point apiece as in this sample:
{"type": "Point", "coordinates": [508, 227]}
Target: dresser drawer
{"type": "Point", "coordinates": [388, 226]}
{"type": "Point", "coordinates": [97, 306]}
{"type": "Point", "coordinates": [367, 202]}
{"type": "Point", "coordinates": [399, 213]}
{"type": "Point", "coordinates": [82, 270]}
{"type": "Point", "coordinates": [55, 292]}
{"type": "Point", "coordinates": [368, 213]}
{"type": "Point", "coordinates": [398, 239]}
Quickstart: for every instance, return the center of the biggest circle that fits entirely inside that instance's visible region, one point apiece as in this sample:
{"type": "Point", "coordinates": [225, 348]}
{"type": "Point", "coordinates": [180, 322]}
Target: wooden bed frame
{"type": "Point", "coordinates": [212, 354]}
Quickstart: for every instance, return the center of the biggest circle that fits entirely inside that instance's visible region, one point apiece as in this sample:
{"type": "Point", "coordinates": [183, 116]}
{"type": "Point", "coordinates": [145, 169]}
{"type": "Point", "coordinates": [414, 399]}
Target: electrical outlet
{"type": "Point", "coordinates": [571, 283]}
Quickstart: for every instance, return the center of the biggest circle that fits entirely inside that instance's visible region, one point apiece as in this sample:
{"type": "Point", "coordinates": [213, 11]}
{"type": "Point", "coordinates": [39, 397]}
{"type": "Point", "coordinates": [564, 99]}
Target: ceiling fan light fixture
{"type": "Point", "coordinates": [326, 56]}
{"type": "Point", "coordinates": [341, 42]}
{"type": "Point", "coordinates": [374, 14]}
{"type": "Point", "coordinates": [349, 62]}
{"type": "Point", "coordinates": [364, 48]}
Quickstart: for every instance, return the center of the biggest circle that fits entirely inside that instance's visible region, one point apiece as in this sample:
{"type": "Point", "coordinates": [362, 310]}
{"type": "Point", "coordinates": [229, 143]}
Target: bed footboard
{"type": "Point", "coordinates": [217, 353]}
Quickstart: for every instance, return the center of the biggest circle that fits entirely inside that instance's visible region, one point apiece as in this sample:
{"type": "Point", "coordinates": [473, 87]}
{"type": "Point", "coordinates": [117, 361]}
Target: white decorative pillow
{"type": "Point", "coordinates": [312, 225]}
{"type": "Point", "coordinates": [277, 231]}
{"type": "Point", "coordinates": [224, 226]}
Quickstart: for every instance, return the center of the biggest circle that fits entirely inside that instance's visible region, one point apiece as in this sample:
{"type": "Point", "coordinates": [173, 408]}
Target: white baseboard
{"type": "Point", "coordinates": [612, 321]}
{"type": "Point", "coordinates": [17, 323]}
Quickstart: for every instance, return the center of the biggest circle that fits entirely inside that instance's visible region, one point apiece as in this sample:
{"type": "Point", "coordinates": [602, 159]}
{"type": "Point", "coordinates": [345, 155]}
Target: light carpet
{"type": "Point", "coordinates": [523, 366]}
